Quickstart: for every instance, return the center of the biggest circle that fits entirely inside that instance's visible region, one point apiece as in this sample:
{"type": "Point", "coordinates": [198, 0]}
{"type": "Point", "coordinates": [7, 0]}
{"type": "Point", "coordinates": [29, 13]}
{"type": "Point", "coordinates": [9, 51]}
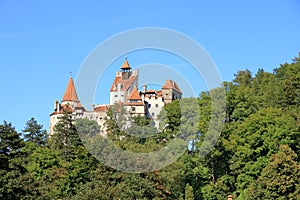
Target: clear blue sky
{"type": "Point", "coordinates": [42, 41]}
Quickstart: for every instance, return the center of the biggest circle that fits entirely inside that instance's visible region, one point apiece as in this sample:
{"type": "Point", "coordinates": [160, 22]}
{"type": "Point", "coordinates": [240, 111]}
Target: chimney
{"type": "Point", "coordinates": [56, 106]}
{"type": "Point", "coordinates": [145, 88]}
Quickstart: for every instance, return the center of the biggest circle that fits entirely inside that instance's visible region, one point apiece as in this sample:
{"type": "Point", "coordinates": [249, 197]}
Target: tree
{"type": "Point", "coordinates": [288, 76]}
{"type": "Point", "coordinates": [189, 193]}
{"type": "Point", "coordinates": [86, 127]}
{"type": "Point", "coordinates": [109, 184]}
{"type": "Point", "coordinates": [65, 137]}
{"type": "Point", "coordinates": [243, 77]}
{"type": "Point", "coordinates": [169, 118]}
{"type": "Point", "coordinates": [48, 172]}
{"type": "Point", "coordinates": [266, 89]}
{"type": "Point", "coordinates": [256, 139]}
{"type": "Point", "coordinates": [34, 132]}
{"type": "Point", "coordinates": [218, 190]}
{"type": "Point", "coordinates": [11, 166]}
{"type": "Point", "coordinates": [280, 179]}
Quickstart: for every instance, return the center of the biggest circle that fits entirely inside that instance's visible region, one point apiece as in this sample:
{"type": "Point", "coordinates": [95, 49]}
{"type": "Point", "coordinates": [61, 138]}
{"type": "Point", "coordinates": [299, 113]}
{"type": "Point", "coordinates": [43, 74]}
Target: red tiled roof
{"type": "Point", "coordinates": [63, 108]}
{"type": "Point", "coordinates": [101, 108]}
{"type": "Point", "coordinates": [116, 81]}
{"type": "Point", "coordinates": [159, 93]}
{"type": "Point", "coordinates": [134, 94]}
{"type": "Point", "coordinates": [70, 93]}
{"type": "Point", "coordinates": [125, 65]}
{"type": "Point", "coordinates": [126, 83]}
{"type": "Point", "coordinates": [171, 85]}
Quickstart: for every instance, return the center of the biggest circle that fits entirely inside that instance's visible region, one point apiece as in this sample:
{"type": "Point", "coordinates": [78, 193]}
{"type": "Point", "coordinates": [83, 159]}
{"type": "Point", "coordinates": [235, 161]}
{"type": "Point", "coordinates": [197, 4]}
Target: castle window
{"type": "Point", "coordinates": [133, 100]}
{"type": "Point", "coordinates": [149, 105]}
{"type": "Point", "coordinates": [116, 95]}
{"type": "Point", "coordinates": [153, 114]}
{"type": "Point", "coordinates": [156, 105]}
{"type": "Point", "coordinates": [133, 109]}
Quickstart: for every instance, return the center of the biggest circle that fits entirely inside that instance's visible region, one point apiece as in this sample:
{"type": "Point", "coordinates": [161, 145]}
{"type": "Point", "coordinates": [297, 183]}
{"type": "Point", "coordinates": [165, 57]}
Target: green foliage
{"type": "Point", "coordinates": [189, 194]}
{"type": "Point", "coordinates": [288, 76]}
{"type": "Point", "coordinates": [33, 132]}
{"type": "Point", "coordinates": [170, 117]}
{"type": "Point", "coordinates": [109, 184]}
{"type": "Point", "coordinates": [11, 165]}
{"type": "Point", "coordinates": [256, 139]}
{"type": "Point", "coordinates": [218, 190]}
{"type": "Point", "coordinates": [280, 179]}
{"type": "Point", "coordinates": [86, 127]}
{"type": "Point", "coordinates": [65, 137]}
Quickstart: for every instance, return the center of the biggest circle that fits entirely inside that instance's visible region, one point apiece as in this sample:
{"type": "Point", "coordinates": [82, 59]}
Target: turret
{"type": "Point", "coordinates": [126, 70]}
{"type": "Point", "coordinates": [70, 97]}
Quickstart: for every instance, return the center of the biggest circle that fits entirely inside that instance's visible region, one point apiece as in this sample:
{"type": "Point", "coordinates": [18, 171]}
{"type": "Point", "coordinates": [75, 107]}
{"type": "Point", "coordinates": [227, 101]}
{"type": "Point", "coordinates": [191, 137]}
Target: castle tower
{"type": "Point", "coordinates": [123, 84]}
{"type": "Point", "coordinates": [70, 102]}
{"type": "Point", "coordinates": [171, 91]}
{"type": "Point", "coordinates": [125, 68]}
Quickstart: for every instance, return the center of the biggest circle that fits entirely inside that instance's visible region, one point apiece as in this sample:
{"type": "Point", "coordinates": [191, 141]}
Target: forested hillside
{"type": "Point", "coordinates": [255, 157]}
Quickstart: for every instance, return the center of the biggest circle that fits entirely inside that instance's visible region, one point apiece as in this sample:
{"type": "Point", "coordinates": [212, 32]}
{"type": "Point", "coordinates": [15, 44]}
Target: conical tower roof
{"type": "Point", "coordinates": [125, 65]}
{"type": "Point", "coordinates": [70, 93]}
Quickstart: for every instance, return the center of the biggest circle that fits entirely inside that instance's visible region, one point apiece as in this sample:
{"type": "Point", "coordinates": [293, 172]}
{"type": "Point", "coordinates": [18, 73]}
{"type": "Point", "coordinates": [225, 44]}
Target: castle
{"type": "Point", "coordinates": [124, 91]}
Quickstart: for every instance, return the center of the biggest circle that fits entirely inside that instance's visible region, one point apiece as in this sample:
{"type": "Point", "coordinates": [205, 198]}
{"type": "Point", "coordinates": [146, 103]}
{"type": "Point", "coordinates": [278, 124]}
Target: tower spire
{"type": "Point", "coordinates": [126, 66]}
{"type": "Point", "coordinates": [70, 93]}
